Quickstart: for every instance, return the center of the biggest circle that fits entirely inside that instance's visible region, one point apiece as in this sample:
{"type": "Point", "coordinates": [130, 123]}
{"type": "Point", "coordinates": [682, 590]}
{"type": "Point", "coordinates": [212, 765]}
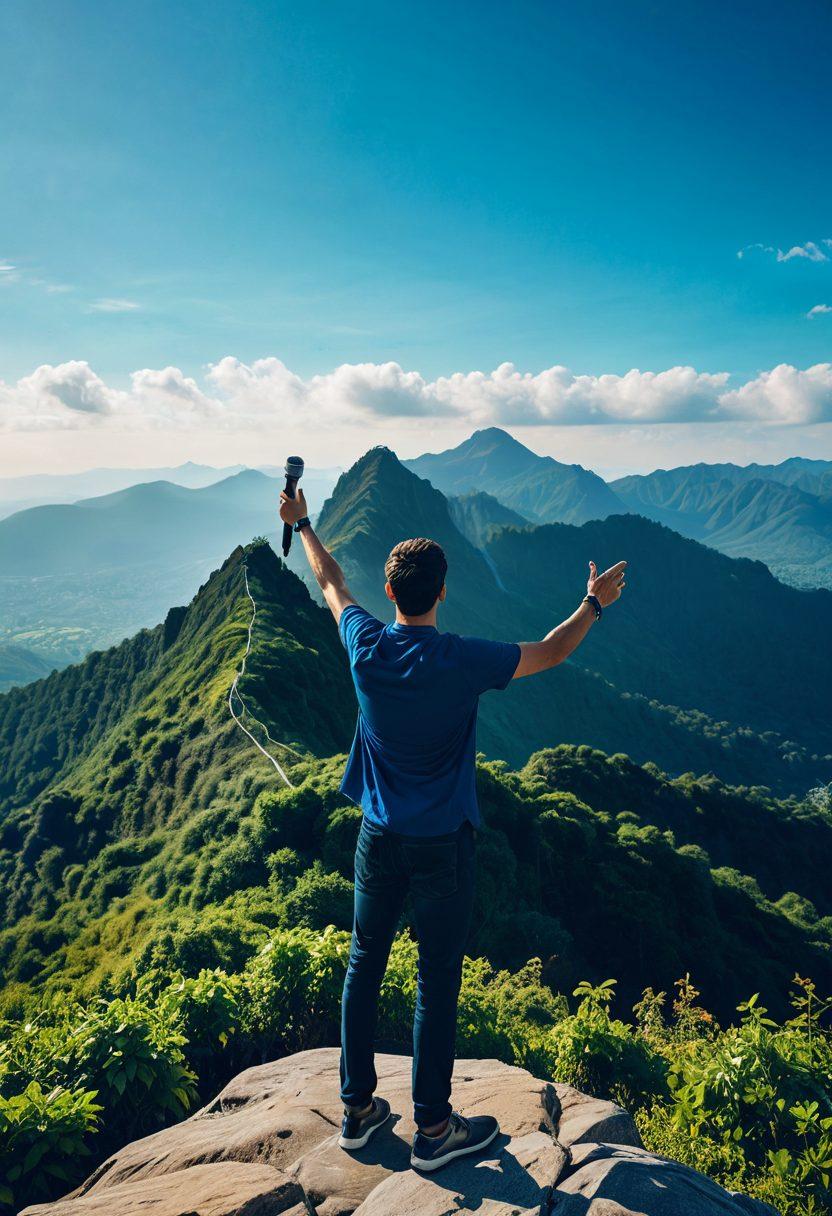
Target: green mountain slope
{"type": "Point", "coordinates": [475, 514]}
{"type": "Point", "coordinates": [695, 629]}
{"type": "Point", "coordinates": [524, 583]}
{"type": "Point", "coordinates": [541, 489]}
{"type": "Point", "coordinates": [140, 828]}
{"type": "Point", "coordinates": [377, 503]}
{"type": "Point", "coordinates": [142, 733]}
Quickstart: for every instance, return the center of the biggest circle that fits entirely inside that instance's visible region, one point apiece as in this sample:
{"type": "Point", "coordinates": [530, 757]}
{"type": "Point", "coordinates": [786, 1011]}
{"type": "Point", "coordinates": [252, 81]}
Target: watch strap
{"type": "Point", "coordinates": [595, 603]}
{"type": "Point", "coordinates": [303, 523]}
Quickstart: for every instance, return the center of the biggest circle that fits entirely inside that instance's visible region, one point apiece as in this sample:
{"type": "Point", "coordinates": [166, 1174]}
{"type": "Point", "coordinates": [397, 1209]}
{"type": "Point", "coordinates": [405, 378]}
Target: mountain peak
{"type": "Point", "coordinates": [498, 435]}
{"type": "Point", "coordinates": [541, 489]}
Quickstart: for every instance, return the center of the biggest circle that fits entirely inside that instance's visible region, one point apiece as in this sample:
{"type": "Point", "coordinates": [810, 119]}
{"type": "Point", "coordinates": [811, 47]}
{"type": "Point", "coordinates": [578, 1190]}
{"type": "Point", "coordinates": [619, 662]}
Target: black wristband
{"type": "Point", "coordinates": [596, 604]}
{"type": "Point", "coordinates": [303, 523]}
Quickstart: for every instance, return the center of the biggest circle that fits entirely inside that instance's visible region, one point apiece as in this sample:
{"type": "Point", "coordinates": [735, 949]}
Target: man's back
{"type": "Point", "coordinates": [412, 765]}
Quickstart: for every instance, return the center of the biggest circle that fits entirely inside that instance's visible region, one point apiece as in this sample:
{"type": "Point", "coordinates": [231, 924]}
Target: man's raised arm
{"type": "Point", "coordinates": [329, 574]}
{"type": "Point", "coordinates": [604, 589]}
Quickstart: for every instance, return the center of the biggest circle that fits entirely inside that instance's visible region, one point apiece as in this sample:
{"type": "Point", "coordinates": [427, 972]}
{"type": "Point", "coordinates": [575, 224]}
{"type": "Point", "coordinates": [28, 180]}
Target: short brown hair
{"type": "Point", "coordinates": [416, 571]}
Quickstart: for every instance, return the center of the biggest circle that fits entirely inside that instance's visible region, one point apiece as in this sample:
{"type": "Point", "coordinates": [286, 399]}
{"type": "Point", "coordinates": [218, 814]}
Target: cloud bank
{"type": "Point", "coordinates": [237, 396]}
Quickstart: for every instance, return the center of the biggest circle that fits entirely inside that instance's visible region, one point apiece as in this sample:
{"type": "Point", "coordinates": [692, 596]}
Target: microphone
{"type": "Point", "coordinates": [294, 472]}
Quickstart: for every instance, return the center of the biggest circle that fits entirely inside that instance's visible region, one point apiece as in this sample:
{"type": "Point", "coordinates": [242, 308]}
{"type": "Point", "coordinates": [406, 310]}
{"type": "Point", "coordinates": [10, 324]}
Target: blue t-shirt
{"type": "Point", "coordinates": [412, 764]}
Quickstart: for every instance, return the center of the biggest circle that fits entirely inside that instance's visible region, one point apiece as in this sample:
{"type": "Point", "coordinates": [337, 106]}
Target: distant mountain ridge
{"type": "Point", "coordinates": [78, 576]}
{"type": "Point", "coordinates": [813, 476]}
{"type": "Point", "coordinates": [152, 521]}
{"type": "Point", "coordinates": [763, 512]}
{"type": "Point", "coordinates": [42, 489]}
{"type": "Point", "coordinates": [779, 514]}
{"type": "Point", "coordinates": [19, 665]}
{"type": "Point", "coordinates": [539, 488]}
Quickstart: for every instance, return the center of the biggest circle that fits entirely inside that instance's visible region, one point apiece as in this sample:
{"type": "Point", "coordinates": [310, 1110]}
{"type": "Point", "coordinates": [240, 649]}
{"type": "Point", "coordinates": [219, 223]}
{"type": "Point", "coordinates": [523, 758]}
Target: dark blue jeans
{"type": "Point", "coordinates": [439, 873]}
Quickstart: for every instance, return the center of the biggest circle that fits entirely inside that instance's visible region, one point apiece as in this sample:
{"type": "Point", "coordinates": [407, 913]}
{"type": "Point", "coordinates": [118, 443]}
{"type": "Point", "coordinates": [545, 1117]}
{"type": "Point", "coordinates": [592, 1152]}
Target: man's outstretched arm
{"type": "Point", "coordinates": [329, 574]}
{"type": "Point", "coordinates": [559, 644]}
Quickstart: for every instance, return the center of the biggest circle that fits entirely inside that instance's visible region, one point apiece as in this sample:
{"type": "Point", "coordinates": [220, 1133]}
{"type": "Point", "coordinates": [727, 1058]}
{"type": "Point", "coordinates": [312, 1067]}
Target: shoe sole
{"type": "Point", "coordinates": [362, 1140]}
{"type": "Point", "coordinates": [437, 1163]}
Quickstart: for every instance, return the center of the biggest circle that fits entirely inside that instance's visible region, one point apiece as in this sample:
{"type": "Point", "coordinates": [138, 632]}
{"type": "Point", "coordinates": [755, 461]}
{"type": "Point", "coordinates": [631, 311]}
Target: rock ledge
{"type": "Point", "coordinates": [266, 1146]}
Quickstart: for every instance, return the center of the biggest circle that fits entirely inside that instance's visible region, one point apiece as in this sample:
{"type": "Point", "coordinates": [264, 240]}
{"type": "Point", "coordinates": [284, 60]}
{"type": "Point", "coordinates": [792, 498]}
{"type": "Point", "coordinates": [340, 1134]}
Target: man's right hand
{"type": "Point", "coordinates": [292, 509]}
{"type": "Point", "coordinates": [606, 587]}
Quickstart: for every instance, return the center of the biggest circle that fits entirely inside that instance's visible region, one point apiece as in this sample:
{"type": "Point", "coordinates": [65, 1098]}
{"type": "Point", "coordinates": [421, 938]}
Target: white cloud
{"type": "Point", "coordinates": [557, 396]}
{"type": "Point", "coordinates": [818, 310]}
{"type": "Point", "coordinates": [784, 395]}
{"type": "Point", "coordinates": [235, 396]}
{"type": "Point", "coordinates": [110, 305]}
{"type": "Point", "coordinates": [811, 251]}
{"type": "Point", "coordinates": [66, 396]}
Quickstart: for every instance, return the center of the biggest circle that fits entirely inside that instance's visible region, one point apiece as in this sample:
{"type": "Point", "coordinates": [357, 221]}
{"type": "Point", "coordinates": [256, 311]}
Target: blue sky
{"type": "Point", "coordinates": [444, 187]}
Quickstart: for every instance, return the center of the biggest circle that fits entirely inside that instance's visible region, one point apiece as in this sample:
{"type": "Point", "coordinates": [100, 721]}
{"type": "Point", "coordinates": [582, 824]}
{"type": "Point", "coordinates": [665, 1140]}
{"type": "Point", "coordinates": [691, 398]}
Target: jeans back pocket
{"type": "Point", "coordinates": [371, 863]}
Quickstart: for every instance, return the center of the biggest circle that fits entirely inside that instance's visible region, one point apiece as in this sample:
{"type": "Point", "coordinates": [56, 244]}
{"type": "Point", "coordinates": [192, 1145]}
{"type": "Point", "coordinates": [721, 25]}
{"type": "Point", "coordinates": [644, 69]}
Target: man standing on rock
{"type": "Point", "coordinates": [412, 772]}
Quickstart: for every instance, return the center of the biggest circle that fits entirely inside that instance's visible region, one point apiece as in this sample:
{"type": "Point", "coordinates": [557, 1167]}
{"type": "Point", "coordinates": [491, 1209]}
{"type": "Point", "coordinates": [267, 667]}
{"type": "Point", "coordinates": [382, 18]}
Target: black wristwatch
{"type": "Point", "coordinates": [303, 523]}
{"type": "Point", "coordinates": [596, 604]}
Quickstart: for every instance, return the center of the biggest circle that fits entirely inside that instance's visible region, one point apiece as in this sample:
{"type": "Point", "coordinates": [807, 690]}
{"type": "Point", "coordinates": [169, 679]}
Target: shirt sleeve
{"type": "Point", "coordinates": [357, 628]}
{"type": "Point", "coordinates": [489, 664]}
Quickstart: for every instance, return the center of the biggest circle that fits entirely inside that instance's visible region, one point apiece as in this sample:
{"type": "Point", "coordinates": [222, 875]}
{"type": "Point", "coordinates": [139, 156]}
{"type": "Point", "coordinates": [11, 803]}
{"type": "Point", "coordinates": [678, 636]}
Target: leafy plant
{"type": "Point", "coordinates": [42, 1136]}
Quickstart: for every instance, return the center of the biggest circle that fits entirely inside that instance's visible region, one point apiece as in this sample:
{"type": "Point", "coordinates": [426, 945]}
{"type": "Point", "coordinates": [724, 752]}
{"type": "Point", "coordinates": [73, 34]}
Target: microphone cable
{"type": "Point", "coordinates": [235, 692]}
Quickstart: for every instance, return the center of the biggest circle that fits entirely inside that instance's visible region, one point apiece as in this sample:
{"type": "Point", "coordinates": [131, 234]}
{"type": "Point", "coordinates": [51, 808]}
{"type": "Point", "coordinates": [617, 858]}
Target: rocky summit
{"type": "Point", "coordinates": [267, 1145]}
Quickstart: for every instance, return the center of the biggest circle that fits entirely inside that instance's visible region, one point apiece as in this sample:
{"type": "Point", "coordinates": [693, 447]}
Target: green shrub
{"type": "Point", "coordinates": [127, 1050]}
{"type": "Point", "coordinates": [42, 1137]}
{"type": "Point", "coordinates": [600, 1055]}
{"type": "Point", "coordinates": [340, 836]}
{"type": "Point", "coordinates": [767, 1089]}
{"type": "Point", "coordinates": [319, 899]}
{"type": "Point", "coordinates": [291, 991]}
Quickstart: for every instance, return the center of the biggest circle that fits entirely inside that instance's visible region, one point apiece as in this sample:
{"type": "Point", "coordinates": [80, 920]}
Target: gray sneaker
{"type": "Point", "coordinates": [462, 1136]}
{"type": "Point", "coordinates": [356, 1131]}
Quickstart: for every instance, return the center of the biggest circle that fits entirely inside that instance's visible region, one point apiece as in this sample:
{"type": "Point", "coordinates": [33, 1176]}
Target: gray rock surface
{"type": "Point", "coordinates": [267, 1145]}
{"type": "Point", "coordinates": [621, 1180]}
{"type": "Point", "coordinates": [229, 1189]}
{"type": "Point", "coordinates": [583, 1120]}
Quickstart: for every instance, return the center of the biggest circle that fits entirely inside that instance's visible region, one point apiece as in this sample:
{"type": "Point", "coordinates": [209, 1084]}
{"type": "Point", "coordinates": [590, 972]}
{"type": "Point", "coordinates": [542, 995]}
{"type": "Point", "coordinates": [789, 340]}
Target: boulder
{"type": "Point", "coordinates": [513, 1177]}
{"type": "Point", "coordinates": [270, 1139]}
{"type": "Point", "coordinates": [622, 1180]}
{"type": "Point", "coordinates": [583, 1120]}
{"type": "Point", "coordinates": [229, 1189]}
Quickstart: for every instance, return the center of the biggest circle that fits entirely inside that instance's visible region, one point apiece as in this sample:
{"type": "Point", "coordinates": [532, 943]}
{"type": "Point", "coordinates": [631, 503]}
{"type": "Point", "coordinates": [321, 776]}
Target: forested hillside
{"type": "Point", "coordinates": [133, 805]}
{"type": "Point", "coordinates": [696, 629]}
